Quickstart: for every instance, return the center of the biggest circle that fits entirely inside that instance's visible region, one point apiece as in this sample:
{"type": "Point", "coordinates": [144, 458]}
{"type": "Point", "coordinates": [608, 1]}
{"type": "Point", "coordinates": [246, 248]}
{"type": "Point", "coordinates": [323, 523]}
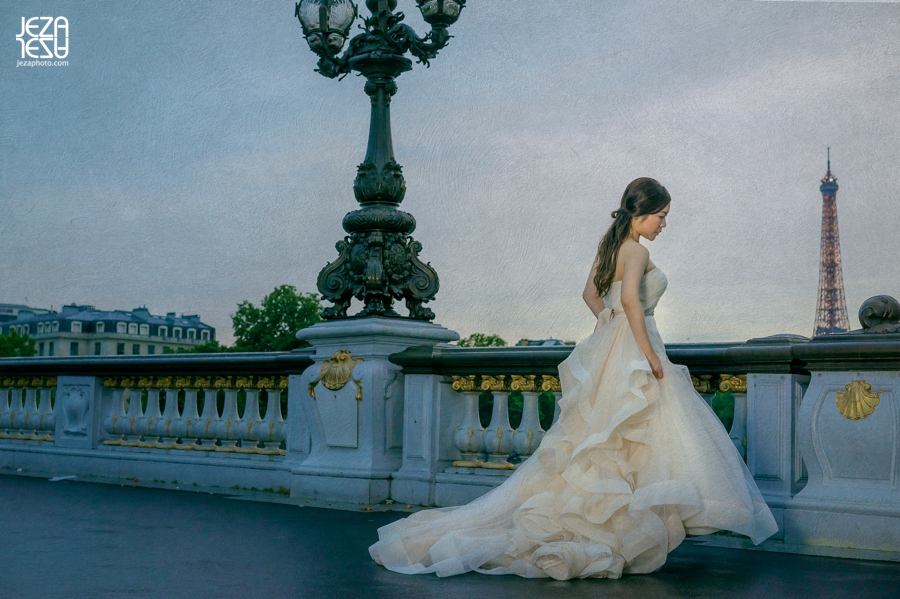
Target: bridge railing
{"type": "Point", "coordinates": [817, 421]}
{"type": "Point", "coordinates": [209, 419]}
{"type": "Point", "coordinates": [467, 454]}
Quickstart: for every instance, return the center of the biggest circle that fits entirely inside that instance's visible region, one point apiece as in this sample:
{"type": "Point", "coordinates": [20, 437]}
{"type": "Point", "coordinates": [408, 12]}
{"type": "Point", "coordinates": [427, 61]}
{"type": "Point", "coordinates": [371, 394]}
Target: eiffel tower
{"type": "Point", "coordinates": [831, 309]}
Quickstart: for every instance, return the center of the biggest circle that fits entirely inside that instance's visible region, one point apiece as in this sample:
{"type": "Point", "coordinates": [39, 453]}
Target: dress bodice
{"type": "Point", "coordinates": [653, 284]}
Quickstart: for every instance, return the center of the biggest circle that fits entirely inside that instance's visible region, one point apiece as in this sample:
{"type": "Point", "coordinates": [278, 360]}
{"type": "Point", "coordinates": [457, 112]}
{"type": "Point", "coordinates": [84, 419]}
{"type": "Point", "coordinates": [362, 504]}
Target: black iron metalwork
{"type": "Point", "coordinates": [378, 261]}
{"type": "Point", "coordinates": [768, 354]}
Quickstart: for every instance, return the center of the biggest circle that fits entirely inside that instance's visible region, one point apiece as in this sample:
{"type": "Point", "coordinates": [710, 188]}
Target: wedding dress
{"type": "Point", "coordinates": [630, 467]}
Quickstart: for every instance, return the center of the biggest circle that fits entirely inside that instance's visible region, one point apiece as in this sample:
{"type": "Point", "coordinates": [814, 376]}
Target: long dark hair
{"type": "Point", "coordinates": [642, 196]}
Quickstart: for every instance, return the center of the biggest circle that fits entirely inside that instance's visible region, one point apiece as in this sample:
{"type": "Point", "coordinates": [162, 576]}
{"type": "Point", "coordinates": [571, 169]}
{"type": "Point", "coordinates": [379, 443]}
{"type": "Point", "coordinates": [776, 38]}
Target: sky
{"type": "Point", "coordinates": [189, 158]}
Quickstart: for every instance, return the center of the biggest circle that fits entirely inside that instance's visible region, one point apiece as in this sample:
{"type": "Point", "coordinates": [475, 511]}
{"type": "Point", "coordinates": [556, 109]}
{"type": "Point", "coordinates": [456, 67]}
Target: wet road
{"type": "Point", "coordinates": [79, 540]}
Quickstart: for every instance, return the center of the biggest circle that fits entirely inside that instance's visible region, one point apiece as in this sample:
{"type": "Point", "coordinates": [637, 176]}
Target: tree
{"type": "Point", "coordinates": [210, 347]}
{"type": "Point", "coordinates": [273, 325]}
{"type": "Point", "coordinates": [481, 340]}
{"type": "Point", "coordinates": [17, 345]}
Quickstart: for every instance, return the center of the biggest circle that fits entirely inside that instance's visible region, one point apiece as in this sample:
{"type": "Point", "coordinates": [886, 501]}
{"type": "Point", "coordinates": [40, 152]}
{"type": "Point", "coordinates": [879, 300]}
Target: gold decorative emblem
{"type": "Point", "coordinates": [224, 382]}
{"type": "Point", "coordinates": [490, 383]}
{"type": "Point", "coordinates": [856, 402]}
{"type": "Point", "coordinates": [498, 465]}
{"type": "Point", "coordinates": [336, 373]}
{"type": "Point", "coordinates": [737, 384]}
{"type": "Point", "coordinates": [522, 383]}
{"type": "Point", "coordinates": [703, 383]}
{"type": "Point", "coordinates": [550, 383]}
{"type": "Point", "coordinates": [464, 383]}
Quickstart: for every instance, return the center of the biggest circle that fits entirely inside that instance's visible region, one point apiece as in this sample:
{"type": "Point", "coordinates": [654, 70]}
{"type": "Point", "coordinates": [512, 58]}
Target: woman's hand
{"type": "Point", "coordinates": [656, 366]}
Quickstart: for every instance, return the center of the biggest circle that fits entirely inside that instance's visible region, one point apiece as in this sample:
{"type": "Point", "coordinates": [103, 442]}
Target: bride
{"type": "Point", "coordinates": [635, 461]}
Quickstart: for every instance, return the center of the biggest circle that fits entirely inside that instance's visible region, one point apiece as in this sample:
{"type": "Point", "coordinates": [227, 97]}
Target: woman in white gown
{"type": "Point", "coordinates": [635, 461]}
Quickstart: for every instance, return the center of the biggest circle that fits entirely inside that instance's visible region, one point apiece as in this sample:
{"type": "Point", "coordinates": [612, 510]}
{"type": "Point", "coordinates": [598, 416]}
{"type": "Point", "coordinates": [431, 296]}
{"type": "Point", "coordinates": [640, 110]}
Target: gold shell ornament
{"type": "Point", "coordinates": [335, 373]}
{"type": "Point", "coordinates": [856, 402]}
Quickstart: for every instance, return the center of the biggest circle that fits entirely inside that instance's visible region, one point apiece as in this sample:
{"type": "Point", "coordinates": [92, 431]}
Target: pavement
{"type": "Point", "coordinates": [72, 539]}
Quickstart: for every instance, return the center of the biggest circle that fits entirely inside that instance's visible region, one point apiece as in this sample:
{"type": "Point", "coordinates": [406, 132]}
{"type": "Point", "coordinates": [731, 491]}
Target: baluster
{"type": "Point", "coordinates": [469, 435]}
{"type": "Point", "coordinates": [229, 425]}
{"type": "Point", "coordinates": [167, 423]}
{"type": "Point", "coordinates": [32, 418]}
{"type": "Point", "coordinates": [16, 412]}
{"type": "Point", "coordinates": [116, 424]}
{"type": "Point", "coordinates": [133, 417]}
{"type": "Point", "coordinates": [551, 383]}
{"type": "Point", "coordinates": [150, 418]}
{"type": "Point", "coordinates": [498, 436]}
{"type": "Point", "coordinates": [250, 420]}
{"type": "Point", "coordinates": [738, 387]}
{"type": "Point", "coordinates": [46, 418]}
{"type": "Point", "coordinates": [190, 421]}
{"type": "Point", "coordinates": [4, 408]}
{"type": "Point", "coordinates": [209, 420]}
{"type": "Point", "coordinates": [529, 434]}
{"type": "Point", "coordinates": [271, 429]}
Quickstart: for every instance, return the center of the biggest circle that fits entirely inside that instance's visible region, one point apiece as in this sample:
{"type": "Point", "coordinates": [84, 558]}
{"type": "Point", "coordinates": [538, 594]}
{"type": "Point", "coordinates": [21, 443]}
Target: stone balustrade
{"type": "Point", "coordinates": [26, 408]}
{"type": "Point", "coordinates": [189, 418]}
{"type": "Point", "coordinates": [208, 421]}
{"type": "Point", "coordinates": [499, 446]}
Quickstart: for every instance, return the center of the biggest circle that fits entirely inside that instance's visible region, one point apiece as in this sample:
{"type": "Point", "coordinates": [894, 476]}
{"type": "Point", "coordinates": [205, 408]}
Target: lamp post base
{"type": "Point", "coordinates": [352, 405]}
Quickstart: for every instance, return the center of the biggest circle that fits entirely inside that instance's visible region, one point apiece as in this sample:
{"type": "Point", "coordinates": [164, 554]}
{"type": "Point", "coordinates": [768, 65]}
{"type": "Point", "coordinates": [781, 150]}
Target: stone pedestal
{"type": "Point", "coordinates": [427, 437]}
{"type": "Point", "coordinates": [851, 447]}
{"type": "Point", "coordinates": [77, 411]}
{"type": "Point", "coordinates": [352, 401]}
{"type": "Point", "coordinates": [773, 457]}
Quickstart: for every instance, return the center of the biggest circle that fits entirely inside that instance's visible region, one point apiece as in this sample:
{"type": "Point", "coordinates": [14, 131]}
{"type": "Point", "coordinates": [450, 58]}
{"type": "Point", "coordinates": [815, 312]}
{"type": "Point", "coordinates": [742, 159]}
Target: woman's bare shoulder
{"type": "Point", "coordinates": [632, 249]}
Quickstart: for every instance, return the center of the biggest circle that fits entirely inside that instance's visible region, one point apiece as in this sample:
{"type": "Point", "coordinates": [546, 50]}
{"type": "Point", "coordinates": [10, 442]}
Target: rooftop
{"type": "Point", "coordinates": [90, 313]}
{"type": "Point", "coordinates": [77, 539]}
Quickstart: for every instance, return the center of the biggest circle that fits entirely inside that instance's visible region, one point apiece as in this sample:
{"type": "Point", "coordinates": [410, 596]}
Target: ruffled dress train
{"type": "Point", "coordinates": [631, 466]}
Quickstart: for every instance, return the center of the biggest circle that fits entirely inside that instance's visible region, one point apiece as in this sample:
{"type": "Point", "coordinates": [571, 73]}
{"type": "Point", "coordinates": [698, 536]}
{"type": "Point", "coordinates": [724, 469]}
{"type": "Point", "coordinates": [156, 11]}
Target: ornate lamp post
{"type": "Point", "coordinates": [378, 260]}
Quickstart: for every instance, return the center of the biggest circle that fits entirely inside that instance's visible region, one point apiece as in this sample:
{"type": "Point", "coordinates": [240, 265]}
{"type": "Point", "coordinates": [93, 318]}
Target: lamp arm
{"type": "Point", "coordinates": [330, 65]}
{"type": "Point", "coordinates": [425, 49]}
{"type": "Point", "coordinates": [399, 37]}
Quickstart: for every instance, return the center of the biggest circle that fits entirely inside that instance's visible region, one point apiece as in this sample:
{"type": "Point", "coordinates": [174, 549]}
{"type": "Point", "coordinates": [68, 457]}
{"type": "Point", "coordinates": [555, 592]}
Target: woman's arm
{"type": "Point", "coordinates": [590, 295]}
{"type": "Point", "coordinates": [635, 258]}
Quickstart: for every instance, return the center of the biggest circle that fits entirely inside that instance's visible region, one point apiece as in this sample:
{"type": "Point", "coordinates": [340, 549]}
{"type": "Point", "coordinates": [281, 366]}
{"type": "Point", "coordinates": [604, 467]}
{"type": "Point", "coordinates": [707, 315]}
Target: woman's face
{"type": "Point", "coordinates": [650, 225]}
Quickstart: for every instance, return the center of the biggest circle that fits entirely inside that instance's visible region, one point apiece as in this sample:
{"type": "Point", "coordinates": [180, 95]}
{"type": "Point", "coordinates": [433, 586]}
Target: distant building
{"type": "Point", "coordinates": [543, 342]}
{"type": "Point", "coordinates": [11, 311]}
{"type": "Point", "coordinates": [84, 330]}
